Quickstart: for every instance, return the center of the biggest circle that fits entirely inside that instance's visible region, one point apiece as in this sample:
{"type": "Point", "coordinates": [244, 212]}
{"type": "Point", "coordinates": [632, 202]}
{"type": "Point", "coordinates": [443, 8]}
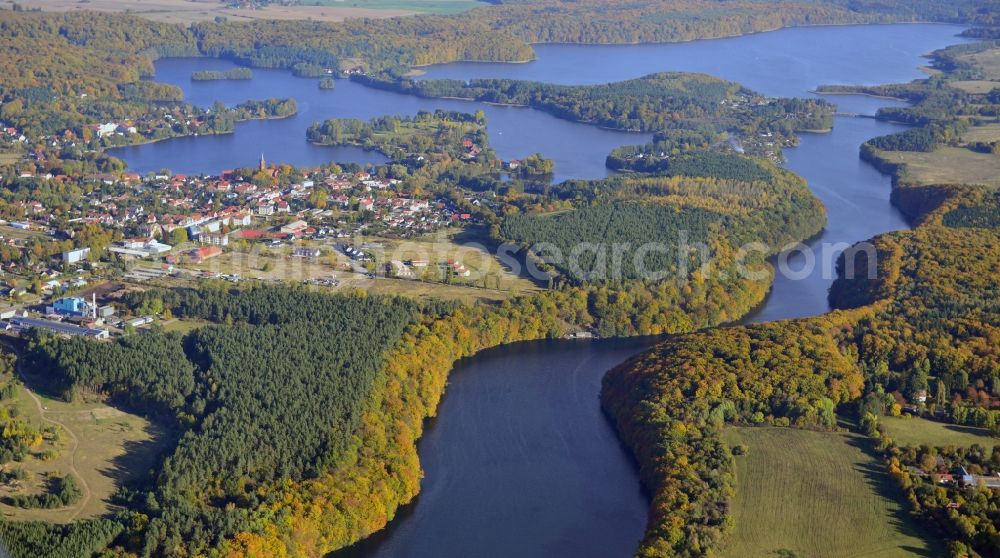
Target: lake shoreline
{"type": "Point", "coordinates": [429, 515]}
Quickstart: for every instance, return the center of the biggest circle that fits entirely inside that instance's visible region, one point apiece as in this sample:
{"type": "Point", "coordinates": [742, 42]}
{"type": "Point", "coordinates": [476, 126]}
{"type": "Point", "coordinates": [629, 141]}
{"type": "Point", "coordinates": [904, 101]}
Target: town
{"type": "Point", "coordinates": [134, 229]}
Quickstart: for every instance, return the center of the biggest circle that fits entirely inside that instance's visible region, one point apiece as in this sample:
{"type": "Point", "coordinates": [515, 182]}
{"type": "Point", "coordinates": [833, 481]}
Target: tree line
{"type": "Point", "coordinates": [273, 395]}
{"type": "Point", "coordinates": [429, 135]}
{"type": "Point", "coordinates": [210, 75]}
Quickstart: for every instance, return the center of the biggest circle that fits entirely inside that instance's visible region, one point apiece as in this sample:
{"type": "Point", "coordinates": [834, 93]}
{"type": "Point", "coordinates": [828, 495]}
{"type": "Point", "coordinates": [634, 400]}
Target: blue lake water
{"type": "Point", "coordinates": [520, 461]}
{"type": "Point", "coordinates": [578, 150]}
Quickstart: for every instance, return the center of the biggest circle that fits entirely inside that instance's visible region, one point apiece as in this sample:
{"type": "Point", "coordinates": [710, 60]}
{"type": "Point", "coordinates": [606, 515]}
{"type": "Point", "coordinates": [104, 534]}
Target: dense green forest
{"type": "Point", "coordinates": [297, 412]}
{"type": "Point", "coordinates": [81, 538]}
{"type": "Point", "coordinates": [985, 214]}
{"type": "Point", "coordinates": [647, 219]}
{"type": "Point", "coordinates": [931, 318]}
{"type": "Point", "coordinates": [689, 162]}
{"type": "Point", "coordinates": [274, 395]}
{"type": "Point", "coordinates": [630, 225]}
{"type": "Point", "coordinates": [61, 492]}
{"type": "Point", "coordinates": [428, 135]}
{"type": "Point", "coordinates": [669, 103]}
{"type": "Point", "coordinates": [621, 240]}
{"type": "Point", "coordinates": [235, 73]}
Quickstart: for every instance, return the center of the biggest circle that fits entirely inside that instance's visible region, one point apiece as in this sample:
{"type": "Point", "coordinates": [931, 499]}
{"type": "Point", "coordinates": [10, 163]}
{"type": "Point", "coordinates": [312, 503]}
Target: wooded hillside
{"type": "Point", "coordinates": [273, 395]}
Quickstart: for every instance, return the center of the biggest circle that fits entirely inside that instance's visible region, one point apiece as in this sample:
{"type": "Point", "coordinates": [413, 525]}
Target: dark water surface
{"type": "Point", "coordinates": [520, 461]}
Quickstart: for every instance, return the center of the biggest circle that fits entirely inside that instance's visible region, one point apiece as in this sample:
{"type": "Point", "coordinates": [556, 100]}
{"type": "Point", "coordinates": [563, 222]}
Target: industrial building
{"type": "Point", "coordinates": [59, 328]}
{"type": "Point", "coordinates": [70, 306]}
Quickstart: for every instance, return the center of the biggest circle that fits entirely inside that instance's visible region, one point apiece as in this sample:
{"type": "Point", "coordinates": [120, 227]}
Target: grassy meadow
{"type": "Point", "coordinates": [817, 495]}
{"type": "Point", "coordinates": [918, 431]}
{"type": "Point", "coordinates": [947, 165]}
{"type": "Point", "coordinates": [102, 446]}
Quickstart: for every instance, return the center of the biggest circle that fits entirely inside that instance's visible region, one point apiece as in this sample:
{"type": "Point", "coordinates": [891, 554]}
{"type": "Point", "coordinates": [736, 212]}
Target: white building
{"type": "Point", "coordinates": [71, 257]}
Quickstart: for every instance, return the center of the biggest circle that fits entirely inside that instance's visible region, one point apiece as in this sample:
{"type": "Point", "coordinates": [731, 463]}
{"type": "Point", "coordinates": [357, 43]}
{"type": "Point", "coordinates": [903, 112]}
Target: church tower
{"type": "Point", "coordinates": [263, 165]}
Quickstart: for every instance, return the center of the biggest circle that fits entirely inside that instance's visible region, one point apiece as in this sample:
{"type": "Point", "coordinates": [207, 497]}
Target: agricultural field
{"type": "Point", "coordinates": [988, 62]}
{"type": "Point", "coordinates": [100, 445]}
{"type": "Point", "coordinates": [975, 86]}
{"type": "Point", "coordinates": [191, 11]}
{"type": "Point", "coordinates": [947, 165]}
{"type": "Point", "coordinates": [419, 6]}
{"type": "Point", "coordinates": [984, 133]}
{"type": "Point", "coordinates": [817, 494]}
{"type": "Point", "coordinates": [422, 289]}
{"type": "Point", "coordinates": [917, 431]}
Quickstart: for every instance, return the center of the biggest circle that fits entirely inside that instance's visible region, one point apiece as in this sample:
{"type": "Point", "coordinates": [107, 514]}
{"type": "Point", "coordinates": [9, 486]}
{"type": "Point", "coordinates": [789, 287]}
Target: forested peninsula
{"type": "Point", "coordinates": [917, 337]}
{"type": "Point", "coordinates": [347, 380]}
{"type": "Point", "coordinates": [324, 488]}
{"type": "Point", "coordinates": [56, 58]}
{"type": "Point", "coordinates": [683, 109]}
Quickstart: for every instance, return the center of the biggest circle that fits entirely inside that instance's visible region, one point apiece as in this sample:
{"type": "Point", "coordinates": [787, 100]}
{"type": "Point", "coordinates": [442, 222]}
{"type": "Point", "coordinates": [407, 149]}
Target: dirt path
{"type": "Point", "coordinates": [76, 444]}
{"type": "Point", "coordinates": [72, 435]}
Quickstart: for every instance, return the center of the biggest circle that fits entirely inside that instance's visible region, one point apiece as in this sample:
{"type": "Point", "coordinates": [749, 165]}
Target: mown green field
{"type": "Point", "coordinates": [422, 6]}
{"type": "Point", "coordinates": [917, 431]}
{"type": "Point", "coordinates": [817, 495]}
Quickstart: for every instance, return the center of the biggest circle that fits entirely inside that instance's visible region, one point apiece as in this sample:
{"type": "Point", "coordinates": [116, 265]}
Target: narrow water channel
{"type": "Point", "coordinates": [520, 461]}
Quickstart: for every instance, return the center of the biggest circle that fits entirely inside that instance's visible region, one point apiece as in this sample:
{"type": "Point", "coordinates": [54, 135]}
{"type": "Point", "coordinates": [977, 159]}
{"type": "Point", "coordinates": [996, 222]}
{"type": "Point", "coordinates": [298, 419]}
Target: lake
{"type": "Point", "coordinates": [520, 461]}
{"type": "Point", "coordinates": [577, 149]}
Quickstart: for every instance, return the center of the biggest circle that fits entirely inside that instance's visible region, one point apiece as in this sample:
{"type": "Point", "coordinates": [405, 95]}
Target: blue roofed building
{"type": "Point", "coordinates": [70, 306]}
